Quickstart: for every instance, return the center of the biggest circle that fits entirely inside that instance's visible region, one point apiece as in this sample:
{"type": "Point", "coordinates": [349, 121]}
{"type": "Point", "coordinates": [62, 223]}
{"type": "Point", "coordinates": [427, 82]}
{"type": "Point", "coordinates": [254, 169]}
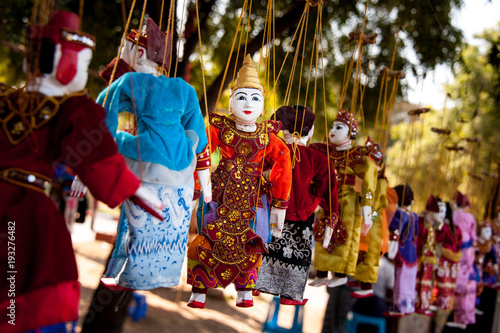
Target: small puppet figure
{"type": "Point", "coordinates": [170, 144]}
{"type": "Point", "coordinates": [52, 119]}
{"type": "Point", "coordinates": [228, 250]}
{"type": "Point", "coordinates": [450, 239]}
{"type": "Point", "coordinates": [371, 241]}
{"type": "Point", "coordinates": [465, 293]}
{"type": "Point", "coordinates": [356, 183]}
{"type": "Point", "coordinates": [285, 269]}
{"type": "Point", "coordinates": [404, 231]}
{"type": "Point", "coordinates": [428, 222]}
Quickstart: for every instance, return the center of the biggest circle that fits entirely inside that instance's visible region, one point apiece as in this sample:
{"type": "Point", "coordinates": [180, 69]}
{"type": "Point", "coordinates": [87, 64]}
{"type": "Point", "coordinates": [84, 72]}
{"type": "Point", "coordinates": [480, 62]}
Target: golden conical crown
{"type": "Point", "coordinates": [247, 76]}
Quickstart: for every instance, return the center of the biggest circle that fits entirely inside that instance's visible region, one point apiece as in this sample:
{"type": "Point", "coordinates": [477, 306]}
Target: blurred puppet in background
{"type": "Point", "coordinates": [285, 269]}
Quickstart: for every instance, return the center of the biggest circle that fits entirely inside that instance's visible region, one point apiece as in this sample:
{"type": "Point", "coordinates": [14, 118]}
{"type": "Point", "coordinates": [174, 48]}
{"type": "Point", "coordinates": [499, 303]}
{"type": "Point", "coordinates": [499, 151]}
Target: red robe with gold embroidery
{"type": "Point", "coordinates": [228, 250]}
{"type": "Point", "coordinates": [37, 254]}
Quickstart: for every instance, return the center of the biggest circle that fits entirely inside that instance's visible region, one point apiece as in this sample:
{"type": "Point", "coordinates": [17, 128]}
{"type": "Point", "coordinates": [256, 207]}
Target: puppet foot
{"type": "Point", "coordinates": [362, 293]}
{"type": "Point", "coordinates": [288, 301]}
{"type": "Point", "coordinates": [111, 284]}
{"type": "Point", "coordinates": [318, 282]}
{"type": "Point", "coordinates": [255, 292]}
{"type": "Point", "coordinates": [244, 299]}
{"type": "Point", "coordinates": [337, 281]}
{"type": "Point", "coordinates": [457, 325]}
{"type": "Point", "coordinates": [478, 312]}
{"type": "Point", "coordinates": [394, 314]}
{"type": "Point", "coordinates": [425, 312]}
{"type": "Point", "coordinates": [354, 284]}
{"type": "Point", "coordinates": [197, 301]}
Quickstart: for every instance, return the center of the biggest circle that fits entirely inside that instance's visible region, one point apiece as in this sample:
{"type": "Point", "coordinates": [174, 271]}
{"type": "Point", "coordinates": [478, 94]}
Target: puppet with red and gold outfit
{"type": "Point", "coordinates": [285, 269]}
{"type": "Point", "coordinates": [52, 119]}
{"type": "Point", "coordinates": [433, 216]}
{"type": "Point", "coordinates": [228, 250]}
{"type": "Point", "coordinates": [450, 239]}
{"type": "Point", "coordinates": [356, 183]}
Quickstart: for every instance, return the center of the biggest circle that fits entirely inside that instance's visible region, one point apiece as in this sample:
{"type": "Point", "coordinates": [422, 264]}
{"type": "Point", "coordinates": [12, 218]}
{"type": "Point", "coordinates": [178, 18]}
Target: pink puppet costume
{"type": "Point", "coordinates": [39, 128]}
{"type": "Point", "coordinates": [465, 294]}
{"type": "Point", "coordinates": [450, 239]}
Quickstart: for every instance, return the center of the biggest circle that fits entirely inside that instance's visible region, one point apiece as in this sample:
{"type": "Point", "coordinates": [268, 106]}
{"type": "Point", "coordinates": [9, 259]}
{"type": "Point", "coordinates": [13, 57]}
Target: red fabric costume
{"type": "Point", "coordinates": [446, 277]}
{"type": "Point", "coordinates": [313, 184]}
{"type": "Point", "coordinates": [228, 249]}
{"type": "Point", "coordinates": [426, 253]}
{"type": "Point", "coordinates": [71, 129]}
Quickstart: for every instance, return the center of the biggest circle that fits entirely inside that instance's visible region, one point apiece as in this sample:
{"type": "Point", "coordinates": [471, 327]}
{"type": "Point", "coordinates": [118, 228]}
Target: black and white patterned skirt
{"type": "Point", "coordinates": [285, 269]}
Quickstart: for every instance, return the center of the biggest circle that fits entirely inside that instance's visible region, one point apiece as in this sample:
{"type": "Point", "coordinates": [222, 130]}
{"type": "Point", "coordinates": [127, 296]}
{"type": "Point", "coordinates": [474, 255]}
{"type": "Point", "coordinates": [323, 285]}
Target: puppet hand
{"type": "Point", "coordinates": [277, 220]}
{"type": "Point", "coordinates": [328, 236]}
{"type": "Point", "coordinates": [206, 184]}
{"type": "Point", "coordinates": [366, 213]}
{"type": "Point", "coordinates": [78, 189]}
{"type": "Point", "coordinates": [393, 249]}
{"type": "Point", "coordinates": [148, 201]}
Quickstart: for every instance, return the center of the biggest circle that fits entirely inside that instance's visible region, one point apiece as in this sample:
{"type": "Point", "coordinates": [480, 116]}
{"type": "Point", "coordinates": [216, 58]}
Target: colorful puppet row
{"type": "Point", "coordinates": [257, 218]}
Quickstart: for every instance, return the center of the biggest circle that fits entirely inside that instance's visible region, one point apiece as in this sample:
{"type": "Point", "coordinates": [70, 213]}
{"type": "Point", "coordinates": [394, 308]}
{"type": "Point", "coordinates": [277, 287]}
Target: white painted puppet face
{"type": "Point", "coordinates": [141, 63]}
{"type": "Point", "coordinates": [486, 233]}
{"type": "Point", "coordinates": [246, 104]}
{"type": "Point", "coordinates": [81, 76]}
{"type": "Point", "coordinates": [442, 211]}
{"type": "Point", "coordinates": [339, 134]}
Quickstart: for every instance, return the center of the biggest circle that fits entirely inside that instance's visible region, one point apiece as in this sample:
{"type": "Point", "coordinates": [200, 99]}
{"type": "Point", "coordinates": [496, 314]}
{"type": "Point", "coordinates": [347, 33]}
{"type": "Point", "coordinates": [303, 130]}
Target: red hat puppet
{"type": "Point", "coordinates": [62, 29]}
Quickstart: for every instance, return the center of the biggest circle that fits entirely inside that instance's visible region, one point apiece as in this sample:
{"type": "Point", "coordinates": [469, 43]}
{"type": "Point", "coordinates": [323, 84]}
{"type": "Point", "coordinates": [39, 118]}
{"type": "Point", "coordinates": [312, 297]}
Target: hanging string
{"type": "Point", "coordinates": [179, 39]}
{"type": "Point", "coordinates": [81, 13]}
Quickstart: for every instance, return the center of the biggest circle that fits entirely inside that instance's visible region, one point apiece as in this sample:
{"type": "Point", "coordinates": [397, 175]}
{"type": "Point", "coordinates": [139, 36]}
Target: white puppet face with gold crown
{"type": "Point", "coordinates": [344, 128]}
{"type": "Point", "coordinates": [247, 100]}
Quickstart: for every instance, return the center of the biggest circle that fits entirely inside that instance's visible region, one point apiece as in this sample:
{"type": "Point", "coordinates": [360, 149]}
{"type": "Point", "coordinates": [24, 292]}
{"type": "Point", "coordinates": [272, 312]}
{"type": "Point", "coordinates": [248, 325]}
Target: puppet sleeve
{"type": "Point", "coordinates": [325, 184]}
{"type": "Point", "coordinates": [278, 155]}
{"type": "Point", "coordinates": [367, 171]}
{"type": "Point", "coordinates": [89, 149]}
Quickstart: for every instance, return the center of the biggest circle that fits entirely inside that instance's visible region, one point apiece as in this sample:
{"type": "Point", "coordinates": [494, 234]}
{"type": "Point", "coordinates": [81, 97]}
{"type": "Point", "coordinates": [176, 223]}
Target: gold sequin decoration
{"type": "Point", "coordinates": [203, 255]}
{"type": "Point", "coordinates": [234, 216]}
{"type": "Point", "coordinates": [264, 139]}
{"type": "Point", "coordinates": [228, 136]}
{"type": "Point", "coordinates": [228, 241]}
{"type": "Point", "coordinates": [18, 128]}
{"type": "Point", "coordinates": [218, 235]}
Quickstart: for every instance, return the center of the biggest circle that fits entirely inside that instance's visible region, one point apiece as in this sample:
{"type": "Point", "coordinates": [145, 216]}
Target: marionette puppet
{"type": "Point", "coordinates": [450, 239]}
{"type": "Point", "coordinates": [228, 250]}
{"type": "Point", "coordinates": [402, 247]}
{"type": "Point", "coordinates": [356, 184]}
{"type": "Point", "coordinates": [487, 256]}
{"type": "Point", "coordinates": [465, 293]}
{"type": "Point", "coordinates": [172, 144]}
{"type": "Point", "coordinates": [370, 242]}
{"type": "Point", "coordinates": [51, 120]}
{"type": "Point", "coordinates": [428, 222]}
{"type": "Point", "coordinates": [285, 268]}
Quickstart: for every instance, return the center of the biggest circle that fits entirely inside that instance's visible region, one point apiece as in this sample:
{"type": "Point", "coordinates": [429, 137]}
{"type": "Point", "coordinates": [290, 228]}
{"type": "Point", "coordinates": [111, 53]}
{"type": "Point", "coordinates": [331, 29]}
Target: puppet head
{"type": "Point", "coordinates": [148, 52]}
{"type": "Point", "coordinates": [58, 55]}
{"type": "Point", "coordinates": [485, 231]}
{"type": "Point", "coordinates": [405, 195]}
{"type": "Point", "coordinates": [297, 123]}
{"type": "Point", "coordinates": [247, 99]}
{"type": "Point", "coordinates": [462, 200]}
{"type": "Point", "coordinates": [436, 210]}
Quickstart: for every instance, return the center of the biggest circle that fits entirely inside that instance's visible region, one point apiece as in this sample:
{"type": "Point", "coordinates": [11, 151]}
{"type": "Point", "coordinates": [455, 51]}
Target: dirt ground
{"type": "Point", "coordinates": [167, 309]}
